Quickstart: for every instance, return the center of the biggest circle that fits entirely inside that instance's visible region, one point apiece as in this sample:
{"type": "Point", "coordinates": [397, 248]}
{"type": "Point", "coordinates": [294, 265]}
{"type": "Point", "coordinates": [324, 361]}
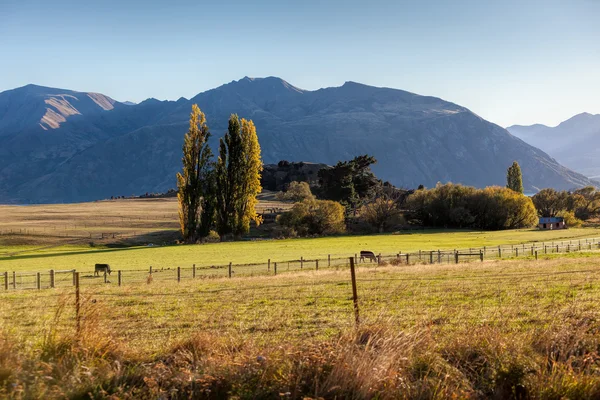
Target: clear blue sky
{"type": "Point", "coordinates": [509, 61]}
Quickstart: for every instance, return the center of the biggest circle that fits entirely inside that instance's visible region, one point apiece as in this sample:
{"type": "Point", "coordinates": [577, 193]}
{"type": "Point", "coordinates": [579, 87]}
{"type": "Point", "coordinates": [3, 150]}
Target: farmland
{"type": "Point", "coordinates": [416, 318]}
{"type": "Point", "coordinates": [45, 247]}
{"type": "Point", "coordinates": [497, 328]}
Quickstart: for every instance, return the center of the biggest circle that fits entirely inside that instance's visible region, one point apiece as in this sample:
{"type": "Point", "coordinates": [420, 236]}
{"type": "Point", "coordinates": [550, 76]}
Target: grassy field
{"type": "Point", "coordinates": [516, 328]}
{"type": "Point", "coordinates": [83, 257]}
{"type": "Point", "coordinates": [106, 221]}
{"type": "Point", "coordinates": [473, 330]}
{"type": "Point", "coordinates": [41, 243]}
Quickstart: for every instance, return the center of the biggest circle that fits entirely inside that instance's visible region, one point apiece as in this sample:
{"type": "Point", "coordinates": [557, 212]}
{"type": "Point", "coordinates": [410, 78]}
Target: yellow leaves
{"type": "Point", "coordinates": [252, 167]}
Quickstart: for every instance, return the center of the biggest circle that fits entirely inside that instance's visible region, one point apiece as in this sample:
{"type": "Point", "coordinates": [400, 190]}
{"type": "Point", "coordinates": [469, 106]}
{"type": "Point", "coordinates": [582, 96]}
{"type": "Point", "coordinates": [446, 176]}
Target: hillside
{"type": "Point", "coordinates": [99, 151]}
{"type": "Point", "coordinates": [574, 142]}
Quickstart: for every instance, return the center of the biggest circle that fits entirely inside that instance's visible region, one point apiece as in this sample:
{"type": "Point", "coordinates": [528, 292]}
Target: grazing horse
{"type": "Point", "coordinates": [101, 268]}
{"type": "Point", "coordinates": [367, 254]}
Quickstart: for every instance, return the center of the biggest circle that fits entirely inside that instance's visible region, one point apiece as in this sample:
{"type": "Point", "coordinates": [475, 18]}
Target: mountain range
{"type": "Point", "coordinates": [59, 145]}
{"type": "Point", "coordinates": [574, 142]}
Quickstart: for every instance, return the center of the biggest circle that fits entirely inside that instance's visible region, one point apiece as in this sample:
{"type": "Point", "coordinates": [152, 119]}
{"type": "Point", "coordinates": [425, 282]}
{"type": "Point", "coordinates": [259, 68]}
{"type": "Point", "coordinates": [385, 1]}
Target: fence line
{"type": "Point", "coordinates": [60, 278]}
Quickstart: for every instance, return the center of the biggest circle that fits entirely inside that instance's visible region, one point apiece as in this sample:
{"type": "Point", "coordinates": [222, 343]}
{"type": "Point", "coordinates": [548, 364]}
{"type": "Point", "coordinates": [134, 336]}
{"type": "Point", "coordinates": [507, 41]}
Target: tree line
{"type": "Point", "coordinates": [221, 194]}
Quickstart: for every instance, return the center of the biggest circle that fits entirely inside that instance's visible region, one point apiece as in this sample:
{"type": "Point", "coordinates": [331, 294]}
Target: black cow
{"type": "Point", "coordinates": [101, 268]}
{"type": "Point", "coordinates": [367, 254]}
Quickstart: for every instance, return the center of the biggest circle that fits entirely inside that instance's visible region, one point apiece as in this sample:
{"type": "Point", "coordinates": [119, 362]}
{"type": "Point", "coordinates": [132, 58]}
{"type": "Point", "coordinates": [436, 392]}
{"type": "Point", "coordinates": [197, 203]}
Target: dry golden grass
{"type": "Point", "coordinates": [103, 221]}
{"type": "Point", "coordinates": [506, 329]}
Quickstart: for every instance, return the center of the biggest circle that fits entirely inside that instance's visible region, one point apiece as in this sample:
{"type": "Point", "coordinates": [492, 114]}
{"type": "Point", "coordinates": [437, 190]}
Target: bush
{"type": "Point", "coordinates": [460, 206]}
{"type": "Point", "coordinates": [570, 219]}
{"type": "Point", "coordinates": [213, 237]}
{"type": "Point", "coordinates": [297, 191]}
{"type": "Point", "coordinates": [314, 217]}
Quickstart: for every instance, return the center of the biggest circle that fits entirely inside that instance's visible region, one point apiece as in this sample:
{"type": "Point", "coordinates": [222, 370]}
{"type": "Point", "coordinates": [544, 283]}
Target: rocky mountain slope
{"type": "Point", "coordinates": [574, 142]}
{"type": "Point", "coordinates": [61, 146]}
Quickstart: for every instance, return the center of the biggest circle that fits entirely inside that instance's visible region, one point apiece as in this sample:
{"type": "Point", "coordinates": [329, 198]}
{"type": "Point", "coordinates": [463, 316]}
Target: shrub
{"type": "Point", "coordinates": [570, 219]}
{"type": "Point", "coordinates": [297, 191]}
{"type": "Point", "coordinates": [213, 237]}
{"type": "Point", "coordinates": [314, 217]}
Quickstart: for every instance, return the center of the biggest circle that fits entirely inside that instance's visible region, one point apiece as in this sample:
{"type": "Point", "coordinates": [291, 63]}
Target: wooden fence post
{"type": "Point", "coordinates": [151, 270]}
{"type": "Point", "coordinates": [77, 303]}
{"type": "Point", "coordinates": [481, 255]}
{"type": "Point", "coordinates": [317, 265]}
{"type": "Point", "coordinates": [230, 270]}
{"type": "Point", "coordinates": [536, 255]}
{"type": "Point", "coordinates": [74, 273]}
{"type": "Point", "coordinates": [193, 270]}
{"type": "Point", "coordinates": [499, 252]}
{"type": "Point", "coordinates": [120, 280]}
{"type": "Point", "coordinates": [301, 262]}
{"type": "Point", "coordinates": [456, 257]}
{"type": "Point", "coordinates": [178, 274]}
{"type": "Point", "coordinates": [52, 282]}
{"type": "Point", "coordinates": [39, 281]}
{"type": "Point", "coordinates": [431, 257]}
{"type": "Point", "coordinates": [354, 291]}
{"type": "Point", "coordinates": [329, 260]}
{"type": "Point", "coordinates": [14, 285]}
{"type": "Point", "coordinates": [275, 268]}
{"type": "Point", "coordinates": [269, 265]}
{"type": "Point", "coordinates": [6, 281]}
{"type": "Point", "coordinates": [517, 252]}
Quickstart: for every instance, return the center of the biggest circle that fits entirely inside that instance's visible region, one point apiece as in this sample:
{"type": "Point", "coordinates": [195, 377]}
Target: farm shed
{"type": "Point", "coordinates": [552, 223]}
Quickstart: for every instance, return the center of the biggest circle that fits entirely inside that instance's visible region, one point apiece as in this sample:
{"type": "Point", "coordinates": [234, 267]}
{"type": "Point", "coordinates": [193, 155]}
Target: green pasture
{"type": "Point", "coordinates": [82, 256]}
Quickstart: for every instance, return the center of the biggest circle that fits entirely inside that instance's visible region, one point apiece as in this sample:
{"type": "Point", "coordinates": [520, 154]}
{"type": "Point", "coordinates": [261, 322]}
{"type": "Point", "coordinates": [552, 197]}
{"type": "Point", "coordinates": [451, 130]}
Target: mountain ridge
{"type": "Point", "coordinates": [574, 142]}
{"type": "Point", "coordinates": [137, 148]}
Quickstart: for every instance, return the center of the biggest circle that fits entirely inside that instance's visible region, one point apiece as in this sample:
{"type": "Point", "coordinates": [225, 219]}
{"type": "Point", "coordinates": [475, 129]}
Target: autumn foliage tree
{"type": "Point", "coordinates": [238, 173]}
{"type": "Point", "coordinates": [458, 206]}
{"type": "Point", "coordinates": [194, 182]}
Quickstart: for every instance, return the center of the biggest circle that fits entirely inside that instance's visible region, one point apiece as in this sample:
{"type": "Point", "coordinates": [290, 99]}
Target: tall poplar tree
{"type": "Point", "coordinates": [193, 182]}
{"type": "Point", "coordinates": [250, 183]}
{"type": "Point", "coordinates": [514, 178]}
{"type": "Point", "coordinates": [238, 178]}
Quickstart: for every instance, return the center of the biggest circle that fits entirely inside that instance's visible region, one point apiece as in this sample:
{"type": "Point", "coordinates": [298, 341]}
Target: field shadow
{"type": "Point", "coordinates": [166, 238]}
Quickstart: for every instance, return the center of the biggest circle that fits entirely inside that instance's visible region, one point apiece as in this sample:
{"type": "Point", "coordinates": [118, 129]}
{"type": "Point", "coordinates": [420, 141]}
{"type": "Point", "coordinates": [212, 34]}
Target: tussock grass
{"type": "Point", "coordinates": [506, 329]}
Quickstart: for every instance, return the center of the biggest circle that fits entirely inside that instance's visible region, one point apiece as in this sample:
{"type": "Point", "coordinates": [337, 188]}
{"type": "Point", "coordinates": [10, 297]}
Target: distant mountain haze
{"type": "Point", "coordinates": [574, 142]}
{"type": "Point", "coordinates": [63, 146]}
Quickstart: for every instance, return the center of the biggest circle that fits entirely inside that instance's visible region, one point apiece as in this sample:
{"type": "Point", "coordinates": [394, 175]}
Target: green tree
{"type": "Point", "coordinates": [514, 178]}
{"type": "Point", "coordinates": [550, 202]}
{"type": "Point", "coordinates": [382, 214]}
{"type": "Point", "coordinates": [193, 191]}
{"type": "Point", "coordinates": [238, 178]}
{"type": "Point", "coordinates": [349, 182]}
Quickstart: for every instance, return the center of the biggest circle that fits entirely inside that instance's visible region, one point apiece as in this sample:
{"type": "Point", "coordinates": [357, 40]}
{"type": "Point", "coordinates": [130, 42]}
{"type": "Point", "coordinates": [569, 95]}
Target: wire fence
{"type": "Point", "coordinates": [17, 280]}
{"type": "Point", "coordinates": [317, 302]}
